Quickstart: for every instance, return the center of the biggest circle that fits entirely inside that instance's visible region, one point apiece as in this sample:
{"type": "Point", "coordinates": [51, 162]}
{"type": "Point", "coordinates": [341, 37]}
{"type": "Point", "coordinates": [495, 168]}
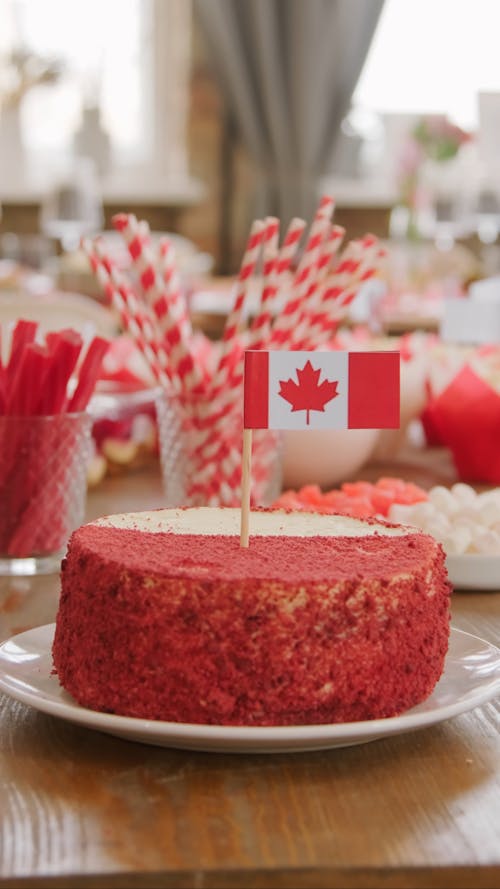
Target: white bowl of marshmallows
{"type": "Point", "coordinates": [467, 524]}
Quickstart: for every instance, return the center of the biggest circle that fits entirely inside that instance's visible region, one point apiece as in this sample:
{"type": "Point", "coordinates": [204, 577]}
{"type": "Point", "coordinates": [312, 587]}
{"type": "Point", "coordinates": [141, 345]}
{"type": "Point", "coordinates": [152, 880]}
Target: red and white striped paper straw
{"type": "Point", "coordinates": [261, 329]}
{"type": "Point", "coordinates": [360, 262]}
{"type": "Point", "coordinates": [268, 289]}
{"type": "Point", "coordinates": [176, 303]}
{"type": "Point", "coordinates": [167, 298]}
{"type": "Point", "coordinates": [307, 269]}
{"type": "Point", "coordinates": [233, 321]}
{"type": "Point", "coordinates": [329, 249]}
{"type": "Point", "coordinates": [228, 376]}
{"type": "Point", "coordinates": [173, 328]}
{"type": "Point", "coordinates": [134, 316]}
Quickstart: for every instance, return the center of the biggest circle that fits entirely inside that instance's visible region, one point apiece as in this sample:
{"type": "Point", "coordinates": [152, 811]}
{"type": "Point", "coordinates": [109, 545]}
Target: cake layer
{"type": "Point", "coordinates": [322, 619]}
{"type": "Point", "coordinates": [226, 521]}
{"type": "Point", "coordinates": [293, 547]}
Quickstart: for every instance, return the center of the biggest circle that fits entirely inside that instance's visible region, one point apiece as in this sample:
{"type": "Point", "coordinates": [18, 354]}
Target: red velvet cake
{"type": "Point", "coordinates": [323, 618]}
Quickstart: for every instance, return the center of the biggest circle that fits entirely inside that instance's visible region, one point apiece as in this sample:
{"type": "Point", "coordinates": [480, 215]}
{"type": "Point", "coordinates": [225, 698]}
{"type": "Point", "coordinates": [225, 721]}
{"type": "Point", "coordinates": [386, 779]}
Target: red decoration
{"type": "Point", "coordinates": [465, 417]}
{"type": "Point", "coordinates": [308, 394]}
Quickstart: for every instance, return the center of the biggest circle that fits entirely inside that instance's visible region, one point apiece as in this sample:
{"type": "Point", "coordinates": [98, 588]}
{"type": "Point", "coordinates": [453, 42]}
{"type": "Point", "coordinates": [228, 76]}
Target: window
{"type": "Point", "coordinates": [432, 56]}
{"type": "Point", "coordinates": [128, 60]}
{"type": "Point", "coordinates": [426, 57]}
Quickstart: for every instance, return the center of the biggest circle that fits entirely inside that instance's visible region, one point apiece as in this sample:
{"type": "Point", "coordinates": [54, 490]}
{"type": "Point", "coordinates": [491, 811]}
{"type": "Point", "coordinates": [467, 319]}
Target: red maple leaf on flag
{"type": "Point", "coordinates": [308, 394]}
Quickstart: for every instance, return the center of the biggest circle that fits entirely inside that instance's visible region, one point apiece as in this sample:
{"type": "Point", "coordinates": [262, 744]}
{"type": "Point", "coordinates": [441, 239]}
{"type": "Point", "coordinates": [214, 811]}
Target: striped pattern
{"type": "Point", "coordinates": [305, 275]}
{"type": "Point", "coordinates": [260, 333]}
{"type": "Point", "coordinates": [168, 308]}
{"type": "Point", "coordinates": [299, 303]}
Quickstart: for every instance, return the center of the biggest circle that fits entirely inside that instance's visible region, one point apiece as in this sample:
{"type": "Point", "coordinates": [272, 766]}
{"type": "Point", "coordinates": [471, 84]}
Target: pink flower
{"type": "Point", "coordinates": [410, 158]}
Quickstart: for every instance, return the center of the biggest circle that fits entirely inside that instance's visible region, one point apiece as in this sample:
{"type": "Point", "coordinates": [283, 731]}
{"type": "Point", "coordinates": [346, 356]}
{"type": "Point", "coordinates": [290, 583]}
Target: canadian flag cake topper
{"type": "Point", "coordinates": [315, 390]}
{"type": "Point", "coordinates": [321, 390]}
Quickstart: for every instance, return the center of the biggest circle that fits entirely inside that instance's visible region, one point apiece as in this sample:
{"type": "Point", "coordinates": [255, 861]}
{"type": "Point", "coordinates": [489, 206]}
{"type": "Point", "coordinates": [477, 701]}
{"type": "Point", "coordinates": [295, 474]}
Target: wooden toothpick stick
{"type": "Point", "coordinates": [246, 474]}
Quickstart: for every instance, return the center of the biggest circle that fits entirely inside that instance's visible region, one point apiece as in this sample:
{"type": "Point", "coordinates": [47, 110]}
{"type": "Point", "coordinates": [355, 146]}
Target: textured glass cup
{"type": "Point", "coordinates": [191, 480]}
{"type": "Point", "coordinates": [43, 485]}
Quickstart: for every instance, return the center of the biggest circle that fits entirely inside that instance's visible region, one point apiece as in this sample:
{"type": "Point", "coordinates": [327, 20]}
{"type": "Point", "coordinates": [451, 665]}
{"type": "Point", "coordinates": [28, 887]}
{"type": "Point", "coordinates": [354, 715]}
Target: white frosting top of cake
{"type": "Point", "coordinates": [210, 520]}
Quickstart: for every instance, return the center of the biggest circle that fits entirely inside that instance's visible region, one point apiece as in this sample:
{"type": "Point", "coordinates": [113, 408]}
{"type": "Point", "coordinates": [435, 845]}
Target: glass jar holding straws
{"type": "Point", "coordinates": [191, 477]}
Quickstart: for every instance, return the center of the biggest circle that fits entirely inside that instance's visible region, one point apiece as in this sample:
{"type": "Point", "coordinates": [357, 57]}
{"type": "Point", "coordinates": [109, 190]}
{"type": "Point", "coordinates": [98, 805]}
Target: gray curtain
{"type": "Point", "coordinates": [288, 69]}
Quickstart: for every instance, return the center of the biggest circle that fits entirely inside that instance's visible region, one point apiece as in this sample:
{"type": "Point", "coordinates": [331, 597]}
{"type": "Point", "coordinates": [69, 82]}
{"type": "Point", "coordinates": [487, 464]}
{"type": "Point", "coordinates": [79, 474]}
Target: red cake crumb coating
{"type": "Point", "coordinates": [293, 630]}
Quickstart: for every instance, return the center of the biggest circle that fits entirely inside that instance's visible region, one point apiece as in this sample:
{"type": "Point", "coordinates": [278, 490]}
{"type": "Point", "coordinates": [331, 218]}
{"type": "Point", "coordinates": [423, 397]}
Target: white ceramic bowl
{"type": "Point", "coordinates": [325, 456]}
{"type": "Point", "coordinates": [413, 398]}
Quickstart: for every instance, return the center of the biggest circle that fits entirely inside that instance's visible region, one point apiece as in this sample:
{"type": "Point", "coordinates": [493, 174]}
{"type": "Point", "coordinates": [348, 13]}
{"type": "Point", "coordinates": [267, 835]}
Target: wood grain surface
{"type": "Point", "coordinates": [80, 808]}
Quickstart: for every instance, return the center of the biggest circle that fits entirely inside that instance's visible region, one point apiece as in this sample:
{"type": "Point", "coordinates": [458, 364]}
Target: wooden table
{"type": "Point", "coordinates": [79, 808]}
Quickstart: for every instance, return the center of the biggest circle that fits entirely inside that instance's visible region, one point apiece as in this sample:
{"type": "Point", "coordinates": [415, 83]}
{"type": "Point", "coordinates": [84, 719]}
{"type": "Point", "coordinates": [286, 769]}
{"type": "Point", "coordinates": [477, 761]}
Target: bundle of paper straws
{"type": "Point", "coordinates": [305, 291]}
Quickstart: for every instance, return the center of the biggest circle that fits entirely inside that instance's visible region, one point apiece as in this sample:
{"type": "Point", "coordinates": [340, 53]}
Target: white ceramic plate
{"type": "Point", "coordinates": [55, 310]}
{"type": "Point", "coordinates": [474, 572]}
{"type": "Point", "coordinates": [471, 677]}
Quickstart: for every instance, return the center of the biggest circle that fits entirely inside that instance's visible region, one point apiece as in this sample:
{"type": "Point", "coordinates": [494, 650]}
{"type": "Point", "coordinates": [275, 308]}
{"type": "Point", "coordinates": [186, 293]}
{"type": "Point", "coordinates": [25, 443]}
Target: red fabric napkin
{"type": "Point", "coordinates": [466, 418]}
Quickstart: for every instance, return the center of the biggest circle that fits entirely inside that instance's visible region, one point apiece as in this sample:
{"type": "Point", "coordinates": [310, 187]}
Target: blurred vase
{"type": "Point", "coordinates": [92, 140]}
{"type": "Point", "coordinates": [73, 207]}
{"type": "Point", "coordinates": [403, 224]}
{"type": "Point", "coordinates": [11, 144]}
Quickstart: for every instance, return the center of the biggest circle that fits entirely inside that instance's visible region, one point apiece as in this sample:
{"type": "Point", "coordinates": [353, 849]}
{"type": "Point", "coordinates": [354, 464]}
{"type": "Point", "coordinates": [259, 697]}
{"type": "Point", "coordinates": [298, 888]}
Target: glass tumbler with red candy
{"type": "Point", "coordinates": [45, 386]}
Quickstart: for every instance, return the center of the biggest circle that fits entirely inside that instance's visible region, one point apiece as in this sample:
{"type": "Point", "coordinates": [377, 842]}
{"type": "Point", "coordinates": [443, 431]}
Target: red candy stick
{"type": "Point", "coordinates": [28, 382]}
{"type": "Point", "coordinates": [89, 374]}
{"type": "Point", "coordinates": [64, 349]}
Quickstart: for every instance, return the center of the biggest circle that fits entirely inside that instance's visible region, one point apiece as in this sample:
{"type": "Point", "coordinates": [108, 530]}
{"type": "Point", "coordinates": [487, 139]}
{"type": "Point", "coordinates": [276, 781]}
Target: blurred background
{"type": "Point", "coordinates": [200, 115]}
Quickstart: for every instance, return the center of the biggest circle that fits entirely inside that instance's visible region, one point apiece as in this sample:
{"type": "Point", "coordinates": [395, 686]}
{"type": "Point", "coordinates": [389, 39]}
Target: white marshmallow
{"type": "Point", "coordinates": [443, 500]}
{"type": "Point", "coordinates": [457, 541]}
{"type": "Point", "coordinates": [469, 513]}
{"type": "Point", "coordinates": [464, 493]}
{"type": "Point", "coordinates": [438, 526]}
{"type": "Point", "coordinates": [401, 513]}
{"type": "Point", "coordinates": [486, 542]}
{"type": "Point", "coordinates": [423, 511]}
{"type": "Point", "coordinates": [470, 523]}
{"type": "Point", "coordinates": [489, 513]}
{"type": "Point", "coordinates": [491, 495]}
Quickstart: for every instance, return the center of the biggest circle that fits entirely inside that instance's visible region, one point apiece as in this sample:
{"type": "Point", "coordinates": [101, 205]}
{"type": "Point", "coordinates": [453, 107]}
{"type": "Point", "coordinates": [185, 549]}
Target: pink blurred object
{"type": "Point", "coordinates": [465, 417]}
{"type": "Point", "coordinates": [124, 366]}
